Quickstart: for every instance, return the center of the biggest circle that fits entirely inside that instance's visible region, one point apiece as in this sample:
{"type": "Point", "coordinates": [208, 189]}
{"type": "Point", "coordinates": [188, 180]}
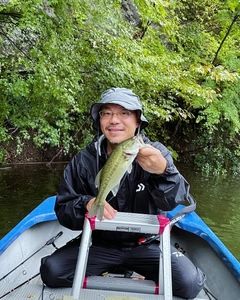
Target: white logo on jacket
{"type": "Point", "coordinates": [140, 187]}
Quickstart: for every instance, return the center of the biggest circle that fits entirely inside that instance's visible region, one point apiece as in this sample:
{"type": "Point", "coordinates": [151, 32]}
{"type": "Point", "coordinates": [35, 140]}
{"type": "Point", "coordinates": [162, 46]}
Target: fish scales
{"type": "Point", "coordinates": [115, 172]}
{"type": "Point", "coordinates": [109, 177]}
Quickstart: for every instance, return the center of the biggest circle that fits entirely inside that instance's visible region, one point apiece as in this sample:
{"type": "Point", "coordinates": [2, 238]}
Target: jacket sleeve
{"type": "Point", "coordinates": [75, 190]}
{"type": "Point", "coordinates": [170, 188]}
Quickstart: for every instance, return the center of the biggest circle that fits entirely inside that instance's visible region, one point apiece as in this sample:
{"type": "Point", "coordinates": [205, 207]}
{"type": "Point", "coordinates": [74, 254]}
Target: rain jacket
{"type": "Point", "coordinates": [140, 191]}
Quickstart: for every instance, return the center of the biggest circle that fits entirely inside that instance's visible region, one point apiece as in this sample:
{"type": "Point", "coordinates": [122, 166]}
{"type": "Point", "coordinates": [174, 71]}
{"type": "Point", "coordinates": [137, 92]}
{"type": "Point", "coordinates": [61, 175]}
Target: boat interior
{"type": "Point", "coordinates": [24, 281]}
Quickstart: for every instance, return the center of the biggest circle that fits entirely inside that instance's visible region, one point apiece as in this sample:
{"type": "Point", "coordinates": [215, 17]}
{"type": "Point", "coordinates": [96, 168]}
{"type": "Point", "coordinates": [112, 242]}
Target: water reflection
{"type": "Point", "coordinates": [23, 187]}
{"type": "Point", "coordinates": [218, 205]}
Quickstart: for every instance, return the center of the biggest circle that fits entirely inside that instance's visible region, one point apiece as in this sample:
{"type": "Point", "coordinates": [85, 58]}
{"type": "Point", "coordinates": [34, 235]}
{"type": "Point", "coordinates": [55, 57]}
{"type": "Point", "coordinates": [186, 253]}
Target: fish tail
{"type": "Point", "coordinates": [97, 209]}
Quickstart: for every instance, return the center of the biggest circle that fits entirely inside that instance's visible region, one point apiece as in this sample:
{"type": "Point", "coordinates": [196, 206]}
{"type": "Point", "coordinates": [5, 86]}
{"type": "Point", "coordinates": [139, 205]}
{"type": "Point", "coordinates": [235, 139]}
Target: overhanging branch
{"type": "Point", "coordinates": [225, 37]}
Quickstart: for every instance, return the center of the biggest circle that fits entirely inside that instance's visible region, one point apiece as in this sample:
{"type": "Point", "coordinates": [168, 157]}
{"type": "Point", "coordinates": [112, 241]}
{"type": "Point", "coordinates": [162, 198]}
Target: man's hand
{"type": "Point", "coordinates": [151, 160]}
{"type": "Point", "coordinates": [109, 211]}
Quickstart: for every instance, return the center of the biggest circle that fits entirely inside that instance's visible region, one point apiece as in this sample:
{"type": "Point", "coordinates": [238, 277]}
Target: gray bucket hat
{"type": "Point", "coordinates": [121, 96]}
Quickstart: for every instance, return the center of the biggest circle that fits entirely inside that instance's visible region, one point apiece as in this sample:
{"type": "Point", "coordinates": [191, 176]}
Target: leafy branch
{"type": "Point", "coordinates": [225, 37]}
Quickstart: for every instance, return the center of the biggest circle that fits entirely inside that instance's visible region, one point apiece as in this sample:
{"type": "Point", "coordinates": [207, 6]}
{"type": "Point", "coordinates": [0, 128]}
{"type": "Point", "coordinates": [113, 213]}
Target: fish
{"type": "Point", "coordinates": [109, 177]}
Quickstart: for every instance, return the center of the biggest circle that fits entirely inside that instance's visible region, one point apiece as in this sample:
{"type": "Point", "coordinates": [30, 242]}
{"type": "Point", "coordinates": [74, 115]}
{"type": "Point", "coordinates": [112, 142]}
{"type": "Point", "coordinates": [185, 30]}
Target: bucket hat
{"type": "Point", "coordinates": [121, 96]}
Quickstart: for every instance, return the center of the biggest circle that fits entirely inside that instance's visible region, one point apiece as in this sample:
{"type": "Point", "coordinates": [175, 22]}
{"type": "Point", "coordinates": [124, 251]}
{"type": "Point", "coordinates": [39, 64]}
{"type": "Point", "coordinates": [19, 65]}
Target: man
{"type": "Point", "coordinates": [117, 117]}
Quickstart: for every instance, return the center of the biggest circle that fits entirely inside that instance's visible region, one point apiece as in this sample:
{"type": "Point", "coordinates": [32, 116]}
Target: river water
{"type": "Point", "coordinates": [24, 186]}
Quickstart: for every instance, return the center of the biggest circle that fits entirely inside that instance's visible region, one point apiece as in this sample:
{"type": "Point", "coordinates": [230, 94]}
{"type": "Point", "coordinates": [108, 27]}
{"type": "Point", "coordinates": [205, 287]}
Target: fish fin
{"type": "Point", "coordinates": [115, 190]}
{"type": "Point", "coordinates": [129, 169]}
{"type": "Point", "coordinates": [97, 179]}
{"type": "Point", "coordinates": [96, 210]}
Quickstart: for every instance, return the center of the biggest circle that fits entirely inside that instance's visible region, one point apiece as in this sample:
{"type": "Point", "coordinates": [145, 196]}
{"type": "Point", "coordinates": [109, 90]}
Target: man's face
{"type": "Point", "coordinates": [117, 123]}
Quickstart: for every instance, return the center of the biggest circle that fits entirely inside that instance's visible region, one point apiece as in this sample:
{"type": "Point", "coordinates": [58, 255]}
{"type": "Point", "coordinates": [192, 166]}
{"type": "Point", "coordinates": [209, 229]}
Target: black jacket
{"type": "Point", "coordinates": [139, 192]}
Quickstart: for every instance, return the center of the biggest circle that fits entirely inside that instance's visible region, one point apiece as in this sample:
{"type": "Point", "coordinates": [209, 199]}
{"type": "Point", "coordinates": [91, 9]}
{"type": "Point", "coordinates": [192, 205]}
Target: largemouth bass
{"type": "Point", "coordinates": [109, 177]}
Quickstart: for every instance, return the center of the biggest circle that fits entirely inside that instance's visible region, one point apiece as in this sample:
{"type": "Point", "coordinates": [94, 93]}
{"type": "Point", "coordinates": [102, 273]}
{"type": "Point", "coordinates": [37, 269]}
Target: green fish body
{"type": "Point", "coordinates": [109, 177]}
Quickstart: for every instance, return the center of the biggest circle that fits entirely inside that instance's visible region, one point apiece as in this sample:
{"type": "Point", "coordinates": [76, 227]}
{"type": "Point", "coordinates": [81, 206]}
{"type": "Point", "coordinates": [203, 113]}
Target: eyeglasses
{"type": "Point", "coordinates": [107, 114]}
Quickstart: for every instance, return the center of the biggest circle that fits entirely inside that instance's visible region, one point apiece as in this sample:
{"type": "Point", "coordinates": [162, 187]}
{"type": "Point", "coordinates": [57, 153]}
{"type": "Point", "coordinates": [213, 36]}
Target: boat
{"type": "Point", "coordinates": [40, 233]}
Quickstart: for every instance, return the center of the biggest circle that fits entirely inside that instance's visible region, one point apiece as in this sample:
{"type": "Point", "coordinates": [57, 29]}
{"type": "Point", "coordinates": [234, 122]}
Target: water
{"type": "Point", "coordinates": [23, 187]}
{"type": "Point", "coordinates": [218, 205]}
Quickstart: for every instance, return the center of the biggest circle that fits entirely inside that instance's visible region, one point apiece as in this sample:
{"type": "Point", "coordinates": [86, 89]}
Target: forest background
{"type": "Point", "coordinates": [181, 57]}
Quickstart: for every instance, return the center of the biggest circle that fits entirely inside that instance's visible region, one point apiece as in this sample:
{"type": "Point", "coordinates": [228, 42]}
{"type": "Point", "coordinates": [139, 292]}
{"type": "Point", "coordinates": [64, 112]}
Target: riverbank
{"type": "Point", "coordinates": [29, 153]}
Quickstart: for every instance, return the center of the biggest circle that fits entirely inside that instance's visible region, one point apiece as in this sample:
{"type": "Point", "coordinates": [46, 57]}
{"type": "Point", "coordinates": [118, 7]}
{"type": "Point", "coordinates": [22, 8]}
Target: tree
{"type": "Point", "coordinates": [181, 57]}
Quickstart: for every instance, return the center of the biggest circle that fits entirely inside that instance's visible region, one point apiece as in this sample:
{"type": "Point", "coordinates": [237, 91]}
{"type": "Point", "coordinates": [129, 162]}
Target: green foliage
{"type": "Point", "coordinates": [220, 153]}
{"type": "Point", "coordinates": [181, 57]}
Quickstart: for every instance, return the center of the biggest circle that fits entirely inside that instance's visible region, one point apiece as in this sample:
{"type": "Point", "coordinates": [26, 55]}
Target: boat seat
{"type": "Point", "coordinates": [127, 222]}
